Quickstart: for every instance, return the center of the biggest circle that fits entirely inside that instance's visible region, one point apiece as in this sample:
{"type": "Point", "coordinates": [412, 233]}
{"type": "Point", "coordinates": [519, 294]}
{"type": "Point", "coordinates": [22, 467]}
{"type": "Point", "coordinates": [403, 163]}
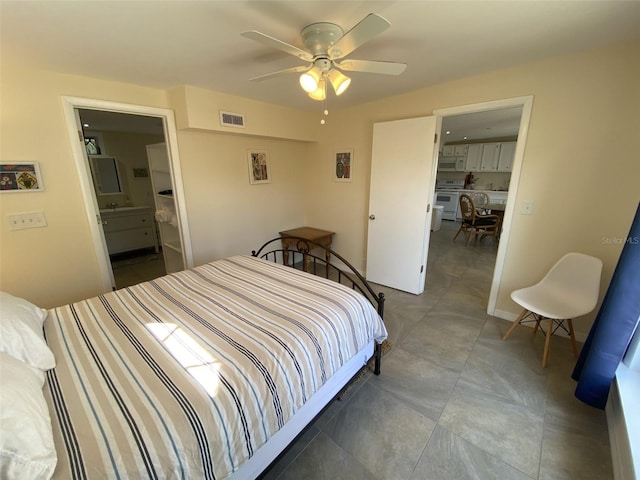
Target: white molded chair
{"type": "Point", "coordinates": [569, 290]}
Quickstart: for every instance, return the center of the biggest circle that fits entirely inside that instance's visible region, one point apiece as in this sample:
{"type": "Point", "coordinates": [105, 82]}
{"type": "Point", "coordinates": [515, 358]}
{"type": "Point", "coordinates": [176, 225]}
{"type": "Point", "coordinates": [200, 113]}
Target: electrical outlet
{"type": "Point", "coordinates": [527, 208]}
{"type": "Point", "coordinates": [20, 221]}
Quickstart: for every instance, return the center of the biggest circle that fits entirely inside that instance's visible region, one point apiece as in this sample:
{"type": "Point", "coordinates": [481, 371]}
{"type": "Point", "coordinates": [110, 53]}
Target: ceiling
{"type": "Point", "coordinates": [163, 44]}
{"type": "Point", "coordinates": [501, 123]}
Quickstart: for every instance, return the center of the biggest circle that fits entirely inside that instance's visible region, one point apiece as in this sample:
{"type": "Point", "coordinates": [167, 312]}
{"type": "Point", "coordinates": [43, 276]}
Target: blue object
{"type": "Point", "coordinates": [613, 327]}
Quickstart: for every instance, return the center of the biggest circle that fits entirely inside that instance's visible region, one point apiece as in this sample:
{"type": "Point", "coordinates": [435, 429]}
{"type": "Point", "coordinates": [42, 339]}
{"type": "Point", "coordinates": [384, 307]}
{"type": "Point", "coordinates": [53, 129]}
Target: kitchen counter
{"type": "Point", "coordinates": [495, 196]}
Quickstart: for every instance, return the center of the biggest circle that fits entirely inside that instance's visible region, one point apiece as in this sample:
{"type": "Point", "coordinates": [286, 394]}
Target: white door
{"type": "Point", "coordinates": [87, 183]}
{"type": "Point", "coordinates": [401, 193]}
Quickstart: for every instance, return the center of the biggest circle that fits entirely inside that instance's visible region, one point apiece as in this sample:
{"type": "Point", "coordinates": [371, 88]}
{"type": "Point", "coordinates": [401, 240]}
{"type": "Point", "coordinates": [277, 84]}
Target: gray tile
{"type": "Point", "coordinates": [449, 457]}
{"type": "Point", "coordinates": [292, 453]}
{"type": "Point", "coordinates": [418, 382]}
{"type": "Point", "coordinates": [493, 372]}
{"type": "Point", "coordinates": [325, 460]}
{"type": "Point", "coordinates": [508, 431]}
{"type": "Point", "coordinates": [445, 339]}
{"type": "Point", "coordinates": [572, 448]}
{"type": "Point", "coordinates": [383, 434]}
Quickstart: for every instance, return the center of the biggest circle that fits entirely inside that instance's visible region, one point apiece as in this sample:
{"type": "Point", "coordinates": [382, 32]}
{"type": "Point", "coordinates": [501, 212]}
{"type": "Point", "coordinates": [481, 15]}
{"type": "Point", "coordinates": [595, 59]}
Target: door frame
{"type": "Point", "coordinates": [526, 102]}
{"type": "Point", "coordinates": [70, 106]}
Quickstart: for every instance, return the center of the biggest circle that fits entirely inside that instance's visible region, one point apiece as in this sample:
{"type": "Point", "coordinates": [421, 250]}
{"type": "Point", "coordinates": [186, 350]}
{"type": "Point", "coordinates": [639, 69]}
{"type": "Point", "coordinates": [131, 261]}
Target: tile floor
{"type": "Point", "coordinates": [130, 269]}
{"type": "Point", "coordinates": [454, 401]}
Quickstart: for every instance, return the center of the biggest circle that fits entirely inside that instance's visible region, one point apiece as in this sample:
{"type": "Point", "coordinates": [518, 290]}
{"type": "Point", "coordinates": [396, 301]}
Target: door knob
{"type": "Point", "coordinates": [372, 217]}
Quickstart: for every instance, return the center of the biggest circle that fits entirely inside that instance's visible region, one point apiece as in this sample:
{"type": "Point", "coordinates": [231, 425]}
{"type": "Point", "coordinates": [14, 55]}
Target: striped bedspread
{"type": "Point", "coordinates": [188, 375]}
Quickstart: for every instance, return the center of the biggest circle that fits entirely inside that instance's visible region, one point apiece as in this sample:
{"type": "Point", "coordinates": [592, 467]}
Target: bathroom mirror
{"type": "Point", "coordinates": [106, 175]}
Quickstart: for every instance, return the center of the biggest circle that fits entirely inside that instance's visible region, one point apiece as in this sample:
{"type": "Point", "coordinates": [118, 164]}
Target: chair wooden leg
{"type": "Point", "coordinates": [516, 322]}
{"type": "Point", "coordinates": [457, 233]}
{"type": "Point", "coordinates": [573, 338]}
{"type": "Point", "coordinates": [547, 342]}
{"type": "Point", "coordinates": [472, 235]}
{"type": "Point", "coordinates": [537, 326]}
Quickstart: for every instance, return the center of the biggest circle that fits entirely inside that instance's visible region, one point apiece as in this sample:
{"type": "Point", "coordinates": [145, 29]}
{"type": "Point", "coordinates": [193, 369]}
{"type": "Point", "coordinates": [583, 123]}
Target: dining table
{"type": "Point", "coordinates": [498, 210]}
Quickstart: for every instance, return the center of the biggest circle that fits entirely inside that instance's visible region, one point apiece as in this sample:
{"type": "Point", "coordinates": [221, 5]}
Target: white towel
{"type": "Point", "coordinates": [165, 215]}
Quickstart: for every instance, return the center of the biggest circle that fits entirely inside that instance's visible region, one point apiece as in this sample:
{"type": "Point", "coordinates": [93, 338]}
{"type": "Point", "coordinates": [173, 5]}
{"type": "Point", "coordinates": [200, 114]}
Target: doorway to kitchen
{"type": "Point", "coordinates": [109, 184]}
{"type": "Point", "coordinates": [502, 119]}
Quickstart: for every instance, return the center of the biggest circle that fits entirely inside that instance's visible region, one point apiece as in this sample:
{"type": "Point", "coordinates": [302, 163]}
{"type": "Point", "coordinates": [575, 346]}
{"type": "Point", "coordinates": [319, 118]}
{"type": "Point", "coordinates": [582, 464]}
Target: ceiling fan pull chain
{"type": "Point", "coordinates": [325, 111]}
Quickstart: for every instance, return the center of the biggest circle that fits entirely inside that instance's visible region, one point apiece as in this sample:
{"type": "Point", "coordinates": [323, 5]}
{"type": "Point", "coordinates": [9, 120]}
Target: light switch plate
{"type": "Point", "coordinates": [20, 221]}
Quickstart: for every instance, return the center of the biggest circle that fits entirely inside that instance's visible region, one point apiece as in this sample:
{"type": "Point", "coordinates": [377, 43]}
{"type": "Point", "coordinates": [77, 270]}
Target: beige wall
{"type": "Point", "coordinates": [580, 166]}
{"type": "Point", "coordinates": [228, 215]}
{"type": "Point", "coordinates": [58, 264]}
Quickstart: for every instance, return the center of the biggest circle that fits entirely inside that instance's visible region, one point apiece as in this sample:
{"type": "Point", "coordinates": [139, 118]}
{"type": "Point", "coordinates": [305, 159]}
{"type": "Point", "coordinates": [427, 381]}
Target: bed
{"type": "Point", "coordinates": [206, 373]}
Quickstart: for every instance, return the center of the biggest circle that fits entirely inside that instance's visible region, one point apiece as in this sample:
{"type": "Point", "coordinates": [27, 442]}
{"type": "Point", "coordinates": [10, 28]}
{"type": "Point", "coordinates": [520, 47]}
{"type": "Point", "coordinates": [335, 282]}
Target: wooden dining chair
{"type": "Point", "coordinates": [480, 200]}
{"type": "Point", "coordinates": [475, 225]}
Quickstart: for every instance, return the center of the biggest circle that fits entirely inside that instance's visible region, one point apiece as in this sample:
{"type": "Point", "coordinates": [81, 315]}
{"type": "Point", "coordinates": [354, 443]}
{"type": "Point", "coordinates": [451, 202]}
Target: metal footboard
{"type": "Point", "coordinates": [302, 257]}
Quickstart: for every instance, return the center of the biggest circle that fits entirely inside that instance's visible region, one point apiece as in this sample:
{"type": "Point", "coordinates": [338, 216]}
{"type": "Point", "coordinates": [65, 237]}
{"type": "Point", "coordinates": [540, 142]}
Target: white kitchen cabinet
{"type": "Point", "coordinates": [474, 157]}
{"type": "Point", "coordinates": [455, 150]}
{"type": "Point", "coordinates": [505, 158]}
{"type": "Point", "coordinates": [128, 228]}
{"type": "Point", "coordinates": [166, 215]}
{"type": "Point", "coordinates": [490, 155]}
{"type": "Point", "coordinates": [460, 150]}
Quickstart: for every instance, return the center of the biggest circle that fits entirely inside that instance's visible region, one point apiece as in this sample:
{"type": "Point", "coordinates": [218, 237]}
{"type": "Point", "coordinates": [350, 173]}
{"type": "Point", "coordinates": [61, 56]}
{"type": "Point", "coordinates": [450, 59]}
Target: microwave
{"type": "Point", "coordinates": [451, 164]}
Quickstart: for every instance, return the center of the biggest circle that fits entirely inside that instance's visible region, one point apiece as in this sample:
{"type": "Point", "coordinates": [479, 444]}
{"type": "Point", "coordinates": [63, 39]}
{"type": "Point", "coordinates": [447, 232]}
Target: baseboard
{"type": "Point", "coordinates": [504, 315]}
{"type": "Point", "coordinates": [622, 454]}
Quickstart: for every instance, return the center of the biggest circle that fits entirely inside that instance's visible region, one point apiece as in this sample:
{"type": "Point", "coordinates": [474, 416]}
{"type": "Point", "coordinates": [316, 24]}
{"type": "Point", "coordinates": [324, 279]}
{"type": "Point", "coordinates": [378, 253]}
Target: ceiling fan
{"type": "Point", "coordinates": [326, 46]}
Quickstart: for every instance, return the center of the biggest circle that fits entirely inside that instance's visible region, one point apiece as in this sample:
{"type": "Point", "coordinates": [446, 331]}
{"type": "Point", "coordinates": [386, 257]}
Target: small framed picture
{"type": "Point", "coordinates": [140, 172]}
{"type": "Point", "coordinates": [20, 177]}
{"type": "Point", "coordinates": [259, 170]}
{"type": "Point", "coordinates": [343, 165]}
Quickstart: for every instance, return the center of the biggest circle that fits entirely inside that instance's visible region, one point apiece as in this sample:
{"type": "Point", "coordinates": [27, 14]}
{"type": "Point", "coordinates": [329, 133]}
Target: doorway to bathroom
{"type": "Point", "coordinates": [117, 183]}
{"type": "Point", "coordinates": [116, 151]}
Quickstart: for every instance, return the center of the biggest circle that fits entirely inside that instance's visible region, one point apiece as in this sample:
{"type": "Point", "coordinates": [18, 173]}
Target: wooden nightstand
{"type": "Point", "coordinates": [321, 237]}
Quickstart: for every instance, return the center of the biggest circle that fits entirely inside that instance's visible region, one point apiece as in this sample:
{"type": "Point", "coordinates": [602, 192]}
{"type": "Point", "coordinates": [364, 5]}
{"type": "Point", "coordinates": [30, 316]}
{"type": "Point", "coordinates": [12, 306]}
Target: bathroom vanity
{"type": "Point", "coordinates": [129, 228]}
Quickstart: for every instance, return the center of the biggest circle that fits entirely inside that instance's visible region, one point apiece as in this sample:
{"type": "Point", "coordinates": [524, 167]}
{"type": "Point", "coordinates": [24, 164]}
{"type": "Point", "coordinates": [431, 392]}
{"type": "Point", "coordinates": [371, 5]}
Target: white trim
{"type": "Point", "coordinates": [526, 103]}
{"type": "Point", "coordinates": [70, 104]}
{"type": "Point", "coordinates": [622, 410]}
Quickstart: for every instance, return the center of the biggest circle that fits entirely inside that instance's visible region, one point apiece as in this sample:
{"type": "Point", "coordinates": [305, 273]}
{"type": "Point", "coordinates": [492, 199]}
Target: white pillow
{"type": "Point", "coordinates": [26, 443]}
{"type": "Point", "coordinates": [21, 332]}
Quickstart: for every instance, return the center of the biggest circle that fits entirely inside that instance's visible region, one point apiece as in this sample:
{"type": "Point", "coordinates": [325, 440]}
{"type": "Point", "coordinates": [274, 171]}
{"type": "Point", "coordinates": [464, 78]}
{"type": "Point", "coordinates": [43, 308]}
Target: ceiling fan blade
{"type": "Point", "coordinates": [302, 68]}
{"type": "Point", "coordinates": [277, 44]}
{"type": "Point", "coordinates": [370, 26]}
{"type": "Point", "coordinates": [371, 66]}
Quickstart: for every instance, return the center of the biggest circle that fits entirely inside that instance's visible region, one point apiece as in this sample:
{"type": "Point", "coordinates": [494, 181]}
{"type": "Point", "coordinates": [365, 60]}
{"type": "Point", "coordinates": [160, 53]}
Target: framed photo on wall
{"type": "Point", "coordinates": [343, 165]}
{"type": "Point", "coordinates": [20, 177]}
{"type": "Point", "coordinates": [259, 170]}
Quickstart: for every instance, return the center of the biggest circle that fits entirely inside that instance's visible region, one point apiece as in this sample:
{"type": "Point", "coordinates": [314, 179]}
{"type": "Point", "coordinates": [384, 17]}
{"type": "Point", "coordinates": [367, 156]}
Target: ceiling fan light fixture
{"type": "Point", "coordinates": [339, 81]}
{"type": "Point", "coordinates": [319, 93]}
{"type": "Point", "coordinates": [310, 79]}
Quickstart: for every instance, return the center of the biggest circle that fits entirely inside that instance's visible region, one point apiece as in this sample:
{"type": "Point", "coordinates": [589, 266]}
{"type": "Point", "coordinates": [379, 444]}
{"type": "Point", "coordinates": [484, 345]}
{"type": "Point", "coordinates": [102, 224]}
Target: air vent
{"type": "Point", "coordinates": [231, 119]}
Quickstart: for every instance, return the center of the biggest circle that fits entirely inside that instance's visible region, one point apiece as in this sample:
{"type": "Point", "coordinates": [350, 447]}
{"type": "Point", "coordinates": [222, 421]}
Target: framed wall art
{"type": "Point", "coordinates": [259, 170]}
{"type": "Point", "coordinates": [20, 177]}
{"type": "Point", "coordinates": [141, 172]}
{"type": "Point", "coordinates": [343, 165]}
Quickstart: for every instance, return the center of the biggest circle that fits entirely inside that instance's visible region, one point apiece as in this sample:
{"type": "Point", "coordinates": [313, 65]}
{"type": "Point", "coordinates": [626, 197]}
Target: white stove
{"type": "Point", "coordinates": [449, 185]}
{"type": "Point", "coordinates": [447, 192]}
